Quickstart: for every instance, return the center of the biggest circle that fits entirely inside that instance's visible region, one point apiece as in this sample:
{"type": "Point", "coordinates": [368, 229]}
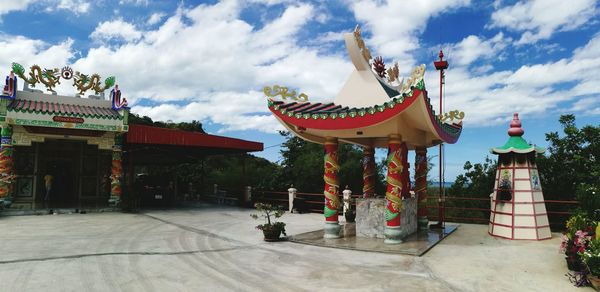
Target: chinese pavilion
{"type": "Point", "coordinates": [518, 210]}
{"type": "Point", "coordinates": [375, 108]}
{"type": "Point", "coordinates": [68, 150]}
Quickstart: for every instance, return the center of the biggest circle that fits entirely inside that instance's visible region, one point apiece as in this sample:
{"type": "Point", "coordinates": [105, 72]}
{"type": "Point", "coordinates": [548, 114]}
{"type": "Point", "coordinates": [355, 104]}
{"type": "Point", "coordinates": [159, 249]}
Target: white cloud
{"type": "Point", "coordinates": [7, 6]}
{"type": "Point", "coordinates": [540, 19]}
{"type": "Point", "coordinates": [155, 18]}
{"type": "Point", "coordinates": [396, 25]}
{"type": "Point", "coordinates": [116, 30]}
{"type": "Point", "coordinates": [75, 6]}
{"type": "Point", "coordinates": [473, 48]}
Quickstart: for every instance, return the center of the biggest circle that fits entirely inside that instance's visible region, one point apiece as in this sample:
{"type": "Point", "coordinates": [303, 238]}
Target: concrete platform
{"type": "Point", "coordinates": [415, 244]}
{"type": "Point", "coordinates": [214, 248]}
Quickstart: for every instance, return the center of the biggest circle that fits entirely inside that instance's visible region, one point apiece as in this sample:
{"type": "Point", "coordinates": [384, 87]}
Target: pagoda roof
{"type": "Point", "coordinates": [369, 108]}
{"type": "Point", "coordinates": [516, 143]}
{"type": "Point", "coordinates": [312, 120]}
{"type": "Point", "coordinates": [64, 109]}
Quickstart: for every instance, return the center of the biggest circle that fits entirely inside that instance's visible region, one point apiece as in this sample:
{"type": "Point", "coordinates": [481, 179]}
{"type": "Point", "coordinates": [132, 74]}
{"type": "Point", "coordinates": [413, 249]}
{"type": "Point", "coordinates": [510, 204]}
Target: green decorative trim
{"type": "Point", "coordinates": [2, 119]}
{"type": "Point", "coordinates": [329, 212]}
{"type": "Point", "coordinates": [3, 106]}
{"type": "Point", "coordinates": [389, 215]}
{"type": "Point", "coordinates": [126, 117]}
{"type": "Point", "coordinates": [52, 124]}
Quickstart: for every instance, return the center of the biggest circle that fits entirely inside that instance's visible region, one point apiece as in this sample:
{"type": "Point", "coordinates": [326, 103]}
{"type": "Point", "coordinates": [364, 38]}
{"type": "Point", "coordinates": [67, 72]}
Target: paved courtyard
{"type": "Point", "coordinates": [218, 249]}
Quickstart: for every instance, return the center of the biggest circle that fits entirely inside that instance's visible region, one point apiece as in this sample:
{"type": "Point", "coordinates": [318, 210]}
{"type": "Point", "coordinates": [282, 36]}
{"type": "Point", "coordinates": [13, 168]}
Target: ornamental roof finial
{"type": "Point", "coordinates": [441, 55]}
{"type": "Point", "coordinates": [515, 127]}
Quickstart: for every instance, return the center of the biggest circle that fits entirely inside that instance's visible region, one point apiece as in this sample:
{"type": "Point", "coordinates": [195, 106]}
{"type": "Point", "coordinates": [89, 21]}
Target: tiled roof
{"type": "Point", "coordinates": [54, 108]}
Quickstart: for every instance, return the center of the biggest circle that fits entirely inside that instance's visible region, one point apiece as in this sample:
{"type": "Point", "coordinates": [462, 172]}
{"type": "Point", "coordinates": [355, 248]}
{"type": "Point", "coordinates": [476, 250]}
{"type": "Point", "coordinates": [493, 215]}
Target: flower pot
{"type": "Point", "coordinates": [574, 264]}
{"type": "Point", "coordinates": [595, 281]}
{"type": "Point", "coordinates": [272, 234]}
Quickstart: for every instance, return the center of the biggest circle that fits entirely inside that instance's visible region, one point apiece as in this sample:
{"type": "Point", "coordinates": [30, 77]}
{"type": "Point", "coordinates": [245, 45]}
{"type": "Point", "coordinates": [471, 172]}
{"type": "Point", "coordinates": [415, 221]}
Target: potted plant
{"type": "Point", "coordinates": [591, 258]}
{"type": "Point", "coordinates": [580, 230]}
{"type": "Point", "coordinates": [272, 229]}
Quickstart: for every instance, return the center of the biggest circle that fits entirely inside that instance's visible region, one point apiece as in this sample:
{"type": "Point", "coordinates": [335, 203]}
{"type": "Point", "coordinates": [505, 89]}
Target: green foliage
{"type": "Point", "coordinates": [302, 166]}
{"type": "Point", "coordinates": [194, 126]}
{"type": "Point", "coordinates": [478, 179]}
{"type": "Point", "coordinates": [571, 160]}
{"type": "Point", "coordinates": [18, 69]}
{"type": "Point", "coordinates": [589, 200]}
{"type": "Point", "coordinates": [268, 211]}
{"type": "Point", "coordinates": [591, 257]}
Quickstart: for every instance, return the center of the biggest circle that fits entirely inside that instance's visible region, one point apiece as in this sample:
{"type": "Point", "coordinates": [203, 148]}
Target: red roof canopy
{"type": "Point", "coordinates": [141, 134]}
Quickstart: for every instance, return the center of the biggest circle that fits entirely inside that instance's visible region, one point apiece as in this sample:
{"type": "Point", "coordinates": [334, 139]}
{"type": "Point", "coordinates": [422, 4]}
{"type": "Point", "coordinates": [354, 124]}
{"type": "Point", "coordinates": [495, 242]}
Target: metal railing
{"type": "Point", "coordinates": [464, 209]}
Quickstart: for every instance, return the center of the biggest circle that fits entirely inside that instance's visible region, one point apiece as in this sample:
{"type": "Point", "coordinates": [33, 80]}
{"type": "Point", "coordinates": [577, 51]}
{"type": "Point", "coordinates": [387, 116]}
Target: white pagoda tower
{"type": "Point", "coordinates": [518, 210]}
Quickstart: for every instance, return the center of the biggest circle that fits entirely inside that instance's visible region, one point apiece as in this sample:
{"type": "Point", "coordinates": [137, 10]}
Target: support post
{"type": "Point", "coordinates": [369, 175]}
{"type": "Point", "coordinates": [7, 176]}
{"type": "Point", "coordinates": [291, 196]}
{"type": "Point", "coordinates": [395, 188]}
{"type": "Point", "coordinates": [331, 192]}
{"type": "Point", "coordinates": [421, 186]}
{"type": "Point", "coordinates": [116, 171]}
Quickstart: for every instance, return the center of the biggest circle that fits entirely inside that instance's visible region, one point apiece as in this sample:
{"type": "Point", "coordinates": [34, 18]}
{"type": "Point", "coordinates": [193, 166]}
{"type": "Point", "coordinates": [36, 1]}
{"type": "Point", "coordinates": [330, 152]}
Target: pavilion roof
{"type": "Point", "coordinates": [63, 109]}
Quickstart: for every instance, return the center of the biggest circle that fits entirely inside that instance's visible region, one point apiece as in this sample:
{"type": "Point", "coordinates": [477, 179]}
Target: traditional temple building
{"type": "Point", "coordinates": [375, 108]}
{"type": "Point", "coordinates": [518, 210]}
{"type": "Point", "coordinates": [67, 151]}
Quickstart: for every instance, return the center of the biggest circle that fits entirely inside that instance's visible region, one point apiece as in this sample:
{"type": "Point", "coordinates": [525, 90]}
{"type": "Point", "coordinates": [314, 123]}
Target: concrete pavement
{"type": "Point", "coordinates": [218, 249]}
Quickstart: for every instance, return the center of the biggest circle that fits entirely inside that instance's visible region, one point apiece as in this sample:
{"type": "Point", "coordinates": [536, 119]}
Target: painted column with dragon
{"type": "Point", "coordinates": [369, 174]}
{"type": "Point", "coordinates": [116, 171]}
{"type": "Point", "coordinates": [7, 176]}
{"type": "Point", "coordinates": [396, 188]}
{"type": "Point", "coordinates": [421, 186]}
{"type": "Point", "coordinates": [331, 192]}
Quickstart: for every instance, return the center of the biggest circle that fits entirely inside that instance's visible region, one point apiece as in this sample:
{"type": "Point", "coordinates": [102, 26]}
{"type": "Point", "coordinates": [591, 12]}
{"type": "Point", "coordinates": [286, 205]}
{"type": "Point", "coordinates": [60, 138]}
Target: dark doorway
{"type": "Point", "coordinates": [62, 192]}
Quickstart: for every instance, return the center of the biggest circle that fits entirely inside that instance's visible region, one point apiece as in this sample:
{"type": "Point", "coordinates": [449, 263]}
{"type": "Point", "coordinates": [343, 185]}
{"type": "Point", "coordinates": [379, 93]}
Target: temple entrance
{"type": "Point", "coordinates": [61, 178]}
{"type": "Point", "coordinates": [77, 173]}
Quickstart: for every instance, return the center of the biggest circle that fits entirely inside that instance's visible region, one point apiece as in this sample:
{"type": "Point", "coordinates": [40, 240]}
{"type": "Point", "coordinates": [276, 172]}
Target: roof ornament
{"type": "Point", "coordinates": [48, 77]}
{"type": "Point", "coordinates": [84, 83]}
{"type": "Point", "coordinates": [515, 127]}
{"type": "Point", "coordinates": [414, 79]}
{"type": "Point", "coordinates": [454, 117]}
{"type": "Point", "coordinates": [361, 44]}
{"type": "Point", "coordinates": [283, 91]}
{"type": "Point", "coordinates": [393, 73]}
{"type": "Point", "coordinates": [10, 87]}
{"type": "Point", "coordinates": [379, 66]}
{"type": "Point", "coordinates": [115, 97]}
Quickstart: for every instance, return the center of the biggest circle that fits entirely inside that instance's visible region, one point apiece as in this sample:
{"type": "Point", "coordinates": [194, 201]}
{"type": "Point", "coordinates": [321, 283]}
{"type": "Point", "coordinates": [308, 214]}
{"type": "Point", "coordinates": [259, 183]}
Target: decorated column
{"type": "Point", "coordinates": [331, 192]}
{"type": "Point", "coordinates": [396, 182]}
{"type": "Point", "coordinates": [368, 172]}
{"type": "Point", "coordinates": [7, 176]}
{"type": "Point", "coordinates": [421, 186]}
{"type": "Point", "coordinates": [116, 171]}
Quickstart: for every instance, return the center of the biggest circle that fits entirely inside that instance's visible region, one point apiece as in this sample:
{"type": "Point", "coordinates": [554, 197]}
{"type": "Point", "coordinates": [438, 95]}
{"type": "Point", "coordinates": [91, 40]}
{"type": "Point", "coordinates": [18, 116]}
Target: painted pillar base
{"type": "Point", "coordinates": [423, 223]}
{"type": "Point", "coordinates": [114, 201]}
{"type": "Point", "coordinates": [332, 230]}
{"type": "Point", "coordinates": [393, 235]}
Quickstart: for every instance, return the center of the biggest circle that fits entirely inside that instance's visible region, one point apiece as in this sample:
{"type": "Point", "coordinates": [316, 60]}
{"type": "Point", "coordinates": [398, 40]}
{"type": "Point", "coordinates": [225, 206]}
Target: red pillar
{"type": "Point", "coordinates": [331, 192]}
{"type": "Point", "coordinates": [368, 172]}
{"type": "Point", "coordinates": [421, 186]}
{"type": "Point", "coordinates": [397, 187]}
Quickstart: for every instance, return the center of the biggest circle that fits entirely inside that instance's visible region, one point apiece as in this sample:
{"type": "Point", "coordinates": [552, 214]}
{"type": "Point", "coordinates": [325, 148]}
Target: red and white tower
{"type": "Point", "coordinates": [518, 210]}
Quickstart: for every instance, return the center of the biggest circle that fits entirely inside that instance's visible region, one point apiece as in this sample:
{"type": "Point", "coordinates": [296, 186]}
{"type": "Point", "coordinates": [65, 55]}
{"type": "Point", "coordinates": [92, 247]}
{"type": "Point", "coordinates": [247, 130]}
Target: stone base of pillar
{"type": "Point", "coordinates": [114, 201]}
{"type": "Point", "coordinates": [332, 230]}
{"type": "Point", "coordinates": [423, 223]}
{"type": "Point", "coordinates": [393, 235]}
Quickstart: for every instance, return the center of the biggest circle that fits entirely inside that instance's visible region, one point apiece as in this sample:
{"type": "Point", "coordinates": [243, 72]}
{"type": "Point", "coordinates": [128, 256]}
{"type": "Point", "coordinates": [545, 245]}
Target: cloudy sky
{"type": "Point", "coordinates": [208, 60]}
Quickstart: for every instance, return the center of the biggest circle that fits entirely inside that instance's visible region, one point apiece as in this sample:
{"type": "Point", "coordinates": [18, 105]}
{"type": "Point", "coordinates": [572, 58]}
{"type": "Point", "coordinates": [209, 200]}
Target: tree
{"type": "Point", "coordinates": [571, 160]}
{"type": "Point", "coordinates": [302, 165]}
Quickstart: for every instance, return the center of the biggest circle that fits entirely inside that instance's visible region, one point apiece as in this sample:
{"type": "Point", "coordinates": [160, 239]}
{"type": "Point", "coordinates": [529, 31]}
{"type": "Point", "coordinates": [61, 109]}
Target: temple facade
{"type": "Point", "coordinates": [60, 149]}
{"type": "Point", "coordinates": [375, 108]}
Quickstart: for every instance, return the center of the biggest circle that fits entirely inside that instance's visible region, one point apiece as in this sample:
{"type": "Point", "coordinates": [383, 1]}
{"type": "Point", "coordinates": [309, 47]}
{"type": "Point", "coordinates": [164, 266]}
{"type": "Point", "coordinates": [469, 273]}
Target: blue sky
{"type": "Point", "coordinates": [208, 60]}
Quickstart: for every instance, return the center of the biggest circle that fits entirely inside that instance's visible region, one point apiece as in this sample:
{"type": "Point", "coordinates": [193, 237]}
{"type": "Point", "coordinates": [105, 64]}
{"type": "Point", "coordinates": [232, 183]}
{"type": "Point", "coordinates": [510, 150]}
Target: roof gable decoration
{"type": "Point", "coordinates": [116, 101]}
{"type": "Point", "coordinates": [51, 77]}
{"type": "Point", "coordinates": [283, 92]}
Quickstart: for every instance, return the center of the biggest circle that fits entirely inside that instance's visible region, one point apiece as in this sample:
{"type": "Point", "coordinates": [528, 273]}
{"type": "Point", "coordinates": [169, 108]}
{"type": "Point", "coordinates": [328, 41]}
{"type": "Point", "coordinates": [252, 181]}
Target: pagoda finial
{"type": "Point", "coordinates": [515, 127]}
{"type": "Point", "coordinates": [441, 55]}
